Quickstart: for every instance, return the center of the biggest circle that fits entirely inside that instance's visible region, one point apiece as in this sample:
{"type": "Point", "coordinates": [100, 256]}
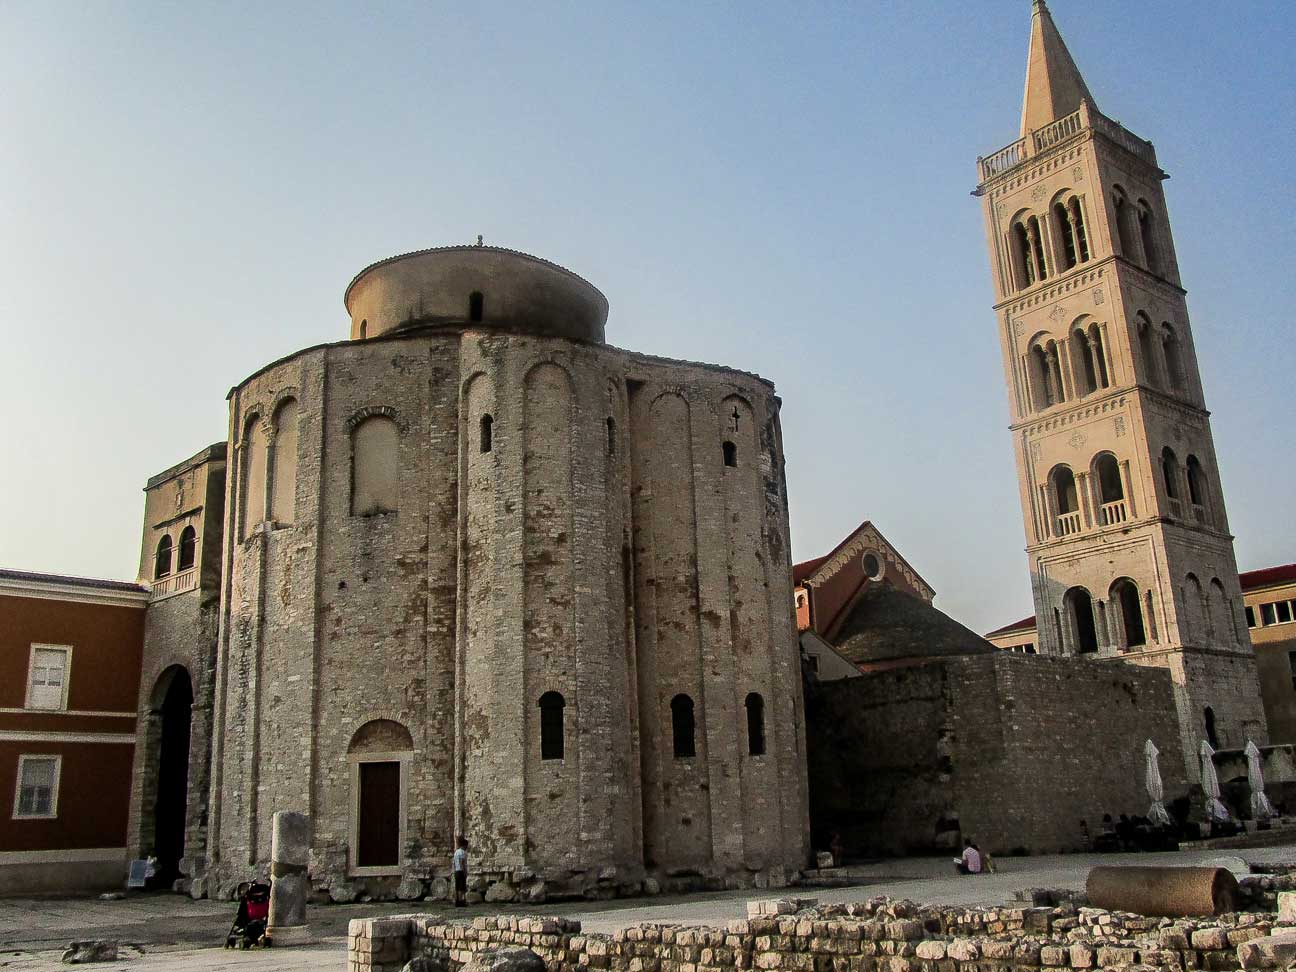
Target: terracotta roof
{"type": "Point", "coordinates": [885, 624]}
{"type": "Point", "coordinates": [804, 569]}
{"type": "Point", "coordinates": [1286, 573]}
{"type": "Point", "coordinates": [87, 582]}
{"type": "Point", "coordinates": [1020, 625]}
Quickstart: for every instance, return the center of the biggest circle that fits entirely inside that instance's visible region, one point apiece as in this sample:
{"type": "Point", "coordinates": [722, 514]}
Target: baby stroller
{"type": "Point", "coordinates": [249, 925]}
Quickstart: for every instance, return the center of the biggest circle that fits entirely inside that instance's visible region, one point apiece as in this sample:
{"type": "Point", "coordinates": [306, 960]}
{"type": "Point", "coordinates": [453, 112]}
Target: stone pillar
{"type": "Point", "coordinates": [289, 852]}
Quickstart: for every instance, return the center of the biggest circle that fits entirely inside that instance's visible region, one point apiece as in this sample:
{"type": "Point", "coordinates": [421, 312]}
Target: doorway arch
{"type": "Point", "coordinates": [173, 708]}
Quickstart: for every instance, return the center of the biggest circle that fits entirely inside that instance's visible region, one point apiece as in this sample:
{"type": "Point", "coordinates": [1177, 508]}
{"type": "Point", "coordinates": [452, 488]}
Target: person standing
{"type": "Point", "coordinates": [459, 865]}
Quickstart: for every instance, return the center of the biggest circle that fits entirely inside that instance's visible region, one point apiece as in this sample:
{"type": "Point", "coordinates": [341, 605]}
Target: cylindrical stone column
{"type": "Point", "coordinates": [289, 853]}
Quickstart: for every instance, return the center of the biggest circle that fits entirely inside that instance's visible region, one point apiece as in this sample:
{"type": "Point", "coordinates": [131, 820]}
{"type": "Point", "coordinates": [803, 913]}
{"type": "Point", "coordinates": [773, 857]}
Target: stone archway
{"type": "Point", "coordinates": [173, 709]}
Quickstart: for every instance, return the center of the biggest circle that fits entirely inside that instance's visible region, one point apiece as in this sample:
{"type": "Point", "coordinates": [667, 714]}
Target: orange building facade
{"type": "Point", "coordinates": [70, 650]}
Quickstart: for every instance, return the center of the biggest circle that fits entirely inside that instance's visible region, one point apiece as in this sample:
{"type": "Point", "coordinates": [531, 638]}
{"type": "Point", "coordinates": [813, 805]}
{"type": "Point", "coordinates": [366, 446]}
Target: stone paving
{"type": "Point", "coordinates": [171, 932]}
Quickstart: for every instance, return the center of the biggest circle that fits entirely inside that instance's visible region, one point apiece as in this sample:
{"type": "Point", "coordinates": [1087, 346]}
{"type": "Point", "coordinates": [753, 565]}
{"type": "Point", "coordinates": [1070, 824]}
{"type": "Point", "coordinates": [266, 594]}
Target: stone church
{"type": "Point", "coordinates": [473, 571]}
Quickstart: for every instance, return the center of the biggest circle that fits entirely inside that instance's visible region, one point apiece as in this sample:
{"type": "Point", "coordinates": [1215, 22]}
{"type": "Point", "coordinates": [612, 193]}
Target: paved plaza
{"type": "Point", "coordinates": [172, 932]}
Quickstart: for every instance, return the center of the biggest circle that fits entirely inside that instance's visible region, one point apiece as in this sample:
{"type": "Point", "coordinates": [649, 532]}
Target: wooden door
{"type": "Point", "coordinates": [378, 837]}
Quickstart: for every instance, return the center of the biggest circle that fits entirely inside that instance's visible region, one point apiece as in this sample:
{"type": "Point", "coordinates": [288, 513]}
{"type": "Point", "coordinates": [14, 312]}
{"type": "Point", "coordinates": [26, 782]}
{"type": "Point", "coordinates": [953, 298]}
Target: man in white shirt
{"type": "Point", "coordinates": [970, 863]}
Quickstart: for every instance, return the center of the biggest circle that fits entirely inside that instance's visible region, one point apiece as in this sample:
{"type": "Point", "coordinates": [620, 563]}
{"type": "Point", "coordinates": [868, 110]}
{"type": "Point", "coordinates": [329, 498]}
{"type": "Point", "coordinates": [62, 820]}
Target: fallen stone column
{"type": "Point", "coordinates": [289, 854]}
{"type": "Point", "coordinates": [1163, 892]}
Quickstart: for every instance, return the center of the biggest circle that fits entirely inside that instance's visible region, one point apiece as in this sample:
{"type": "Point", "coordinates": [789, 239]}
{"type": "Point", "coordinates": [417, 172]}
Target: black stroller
{"type": "Point", "coordinates": [249, 925]}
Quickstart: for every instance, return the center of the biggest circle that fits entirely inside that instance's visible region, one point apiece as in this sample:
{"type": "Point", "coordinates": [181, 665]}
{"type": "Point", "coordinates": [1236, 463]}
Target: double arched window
{"type": "Point", "coordinates": [1089, 357]}
{"type": "Point", "coordinates": [1073, 239]}
{"type": "Point", "coordinates": [1028, 251]}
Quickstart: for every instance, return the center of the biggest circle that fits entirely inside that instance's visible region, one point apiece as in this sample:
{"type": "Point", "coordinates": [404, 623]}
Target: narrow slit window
{"type": "Point", "coordinates": [552, 705]}
{"type": "Point", "coordinates": [476, 305]}
{"type": "Point", "coordinates": [611, 436]}
{"type": "Point", "coordinates": [683, 727]}
{"type": "Point", "coordinates": [487, 433]}
{"type": "Point", "coordinates": [730, 454]}
{"type": "Point", "coordinates": [755, 724]}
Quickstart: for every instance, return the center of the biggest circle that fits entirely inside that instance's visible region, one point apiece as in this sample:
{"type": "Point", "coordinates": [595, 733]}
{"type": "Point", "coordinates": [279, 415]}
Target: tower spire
{"type": "Point", "coordinates": [1054, 87]}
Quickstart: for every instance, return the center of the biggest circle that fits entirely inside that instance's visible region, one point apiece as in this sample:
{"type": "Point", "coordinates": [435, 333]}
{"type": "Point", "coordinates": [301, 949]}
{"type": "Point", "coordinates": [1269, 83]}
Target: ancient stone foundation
{"type": "Point", "coordinates": [889, 936]}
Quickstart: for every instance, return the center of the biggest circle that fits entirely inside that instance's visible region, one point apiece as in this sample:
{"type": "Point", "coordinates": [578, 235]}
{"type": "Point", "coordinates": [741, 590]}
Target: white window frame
{"type": "Point", "coordinates": [67, 677]}
{"type": "Point", "coordinates": [54, 791]}
{"type": "Point", "coordinates": [405, 758]}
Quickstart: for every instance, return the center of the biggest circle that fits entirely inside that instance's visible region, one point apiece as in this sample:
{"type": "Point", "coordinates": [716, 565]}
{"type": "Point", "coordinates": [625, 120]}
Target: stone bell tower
{"type": "Point", "coordinates": [1130, 552]}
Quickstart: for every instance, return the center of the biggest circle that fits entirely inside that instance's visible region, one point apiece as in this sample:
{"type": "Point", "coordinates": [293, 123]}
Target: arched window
{"type": "Point", "coordinates": [1066, 234]}
{"type": "Point", "coordinates": [1121, 214]}
{"type": "Point", "coordinates": [1087, 363]}
{"type": "Point", "coordinates": [1147, 351]}
{"type": "Point", "coordinates": [1127, 596]}
{"type": "Point", "coordinates": [683, 727]}
{"type": "Point", "coordinates": [162, 559]}
{"type": "Point", "coordinates": [1100, 358]}
{"type": "Point", "coordinates": [283, 472]}
{"type": "Point", "coordinates": [1066, 500]}
{"type": "Point", "coordinates": [1170, 472]}
{"type": "Point", "coordinates": [1222, 608]}
{"type": "Point", "coordinates": [1024, 256]}
{"type": "Point", "coordinates": [487, 433]}
{"type": "Point", "coordinates": [1079, 607]}
{"type": "Point", "coordinates": [1111, 491]}
{"type": "Point", "coordinates": [1208, 716]}
{"type": "Point", "coordinates": [476, 305]}
{"type": "Point", "coordinates": [1037, 246]}
{"type": "Point", "coordinates": [1196, 482]}
{"type": "Point", "coordinates": [1041, 379]}
{"type": "Point", "coordinates": [374, 473]}
{"type": "Point", "coordinates": [611, 436]}
{"type": "Point", "coordinates": [1077, 222]}
{"type": "Point", "coordinates": [755, 724]}
{"type": "Point", "coordinates": [1173, 359]}
{"type": "Point", "coordinates": [364, 330]}
{"type": "Point", "coordinates": [730, 454]}
{"type": "Point", "coordinates": [1148, 236]}
{"type": "Point", "coordinates": [1195, 611]}
{"type": "Point", "coordinates": [188, 548]}
{"type": "Point", "coordinates": [551, 725]}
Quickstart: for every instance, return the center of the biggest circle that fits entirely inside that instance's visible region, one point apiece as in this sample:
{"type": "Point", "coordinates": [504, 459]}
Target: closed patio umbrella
{"type": "Point", "coordinates": [1156, 792]}
{"type": "Point", "coordinates": [1210, 784]}
{"type": "Point", "coordinates": [1261, 808]}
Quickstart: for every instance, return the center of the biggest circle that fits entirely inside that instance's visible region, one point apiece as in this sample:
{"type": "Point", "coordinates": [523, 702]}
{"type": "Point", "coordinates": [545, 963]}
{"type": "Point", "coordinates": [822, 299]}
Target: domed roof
{"type": "Point", "coordinates": [477, 286]}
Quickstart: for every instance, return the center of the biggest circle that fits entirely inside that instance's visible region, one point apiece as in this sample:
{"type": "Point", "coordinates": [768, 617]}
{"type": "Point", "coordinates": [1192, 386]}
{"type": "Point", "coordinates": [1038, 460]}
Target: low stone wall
{"type": "Point", "coordinates": [880, 934]}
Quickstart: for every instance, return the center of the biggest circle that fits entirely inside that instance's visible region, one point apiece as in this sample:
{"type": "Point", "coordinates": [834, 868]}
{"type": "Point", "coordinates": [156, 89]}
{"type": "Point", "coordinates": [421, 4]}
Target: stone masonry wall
{"type": "Point", "coordinates": [1010, 750]}
{"type": "Point", "coordinates": [883, 935]}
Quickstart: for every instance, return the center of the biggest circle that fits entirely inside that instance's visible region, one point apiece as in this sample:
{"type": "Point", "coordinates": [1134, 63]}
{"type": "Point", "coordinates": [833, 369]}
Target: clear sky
{"type": "Point", "coordinates": [186, 189]}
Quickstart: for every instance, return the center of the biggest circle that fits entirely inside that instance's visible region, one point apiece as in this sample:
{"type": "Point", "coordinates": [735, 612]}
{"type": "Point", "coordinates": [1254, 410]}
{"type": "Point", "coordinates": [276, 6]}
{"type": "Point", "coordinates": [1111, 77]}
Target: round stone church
{"type": "Point", "coordinates": [482, 574]}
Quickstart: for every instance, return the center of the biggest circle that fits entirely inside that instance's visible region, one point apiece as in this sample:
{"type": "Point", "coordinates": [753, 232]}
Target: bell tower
{"type": "Point", "coordinates": [1130, 553]}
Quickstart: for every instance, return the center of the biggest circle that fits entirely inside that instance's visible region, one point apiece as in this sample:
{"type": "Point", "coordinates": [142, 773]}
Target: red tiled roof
{"type": "Point", "coordinates": [807, 567]}
{"type": "Point", "coordinates": [1267, 575]}
{"type": "Point", "coordinates": [1023, 623]}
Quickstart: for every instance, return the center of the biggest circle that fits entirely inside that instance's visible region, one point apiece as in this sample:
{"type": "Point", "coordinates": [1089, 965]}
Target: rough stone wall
{"type": "Point", "coordinates": [543, 564]}
{"type": "Point", "coordinates": [1012, 750]}
{"type": "Point", "coordinates": [884, 935]}
{"type": "Point", "coordinates": [180, 630]}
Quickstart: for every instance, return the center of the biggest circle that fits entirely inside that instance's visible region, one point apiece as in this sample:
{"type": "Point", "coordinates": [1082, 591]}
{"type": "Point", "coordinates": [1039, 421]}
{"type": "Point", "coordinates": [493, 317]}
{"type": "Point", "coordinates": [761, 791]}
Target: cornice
{"type": "Point", "coordinates": [53, 590]}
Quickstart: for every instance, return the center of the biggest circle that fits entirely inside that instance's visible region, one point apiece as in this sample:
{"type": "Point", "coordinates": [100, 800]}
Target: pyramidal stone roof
{"type": "Point", "coordinates": [1054, 87]}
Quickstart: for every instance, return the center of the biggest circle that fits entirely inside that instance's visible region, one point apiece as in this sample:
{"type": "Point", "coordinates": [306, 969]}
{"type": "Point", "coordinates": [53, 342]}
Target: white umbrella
{"type": "Point", "coordinates": [1210, 784]}
{"type": "Point", "coordinates": [1152, 773]}
{"type": "Point", "coordinates": [1261, 808]}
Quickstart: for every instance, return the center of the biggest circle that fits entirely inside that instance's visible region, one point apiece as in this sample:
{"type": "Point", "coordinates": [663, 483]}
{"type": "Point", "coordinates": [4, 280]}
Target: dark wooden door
{"type": "Point", "coordinates": [379, 836]}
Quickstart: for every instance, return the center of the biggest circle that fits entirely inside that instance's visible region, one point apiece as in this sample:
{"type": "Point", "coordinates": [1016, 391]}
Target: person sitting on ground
{"type": "Point", "coordinates": [970, 862]}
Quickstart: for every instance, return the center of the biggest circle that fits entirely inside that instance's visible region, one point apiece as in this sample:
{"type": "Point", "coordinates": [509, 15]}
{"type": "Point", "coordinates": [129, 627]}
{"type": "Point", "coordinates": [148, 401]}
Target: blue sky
{"type": "Point", "coordinates": [186, 189]}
